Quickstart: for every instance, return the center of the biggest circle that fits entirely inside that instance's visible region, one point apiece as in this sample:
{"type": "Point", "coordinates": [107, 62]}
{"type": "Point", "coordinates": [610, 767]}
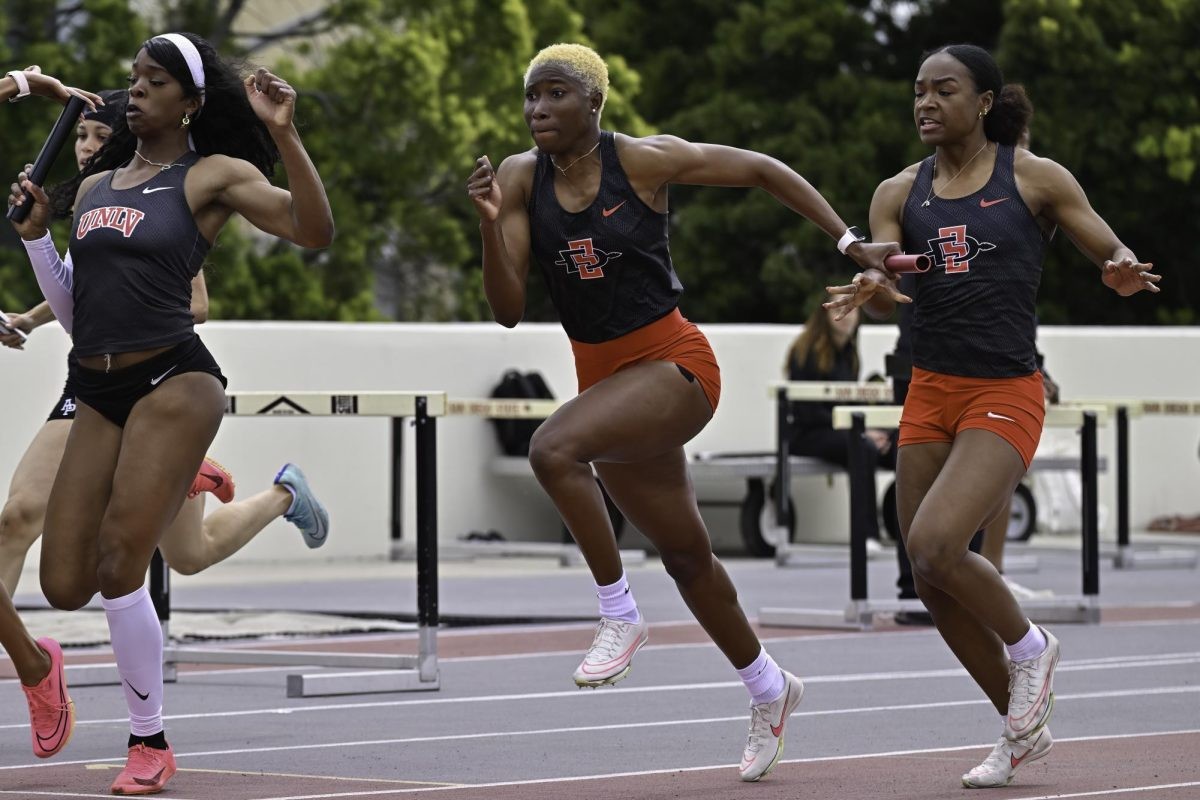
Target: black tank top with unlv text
{"type": "Point", "coordinates": [135, 252]}
{"type": "Point", "coordinates": [608, 267]}
{"type": "Point", "coordinates": [974, 313]}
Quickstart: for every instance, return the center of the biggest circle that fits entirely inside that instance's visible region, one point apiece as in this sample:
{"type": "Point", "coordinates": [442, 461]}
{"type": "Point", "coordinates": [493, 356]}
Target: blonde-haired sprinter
{"type": "Point", "coordinates": [589, 207]}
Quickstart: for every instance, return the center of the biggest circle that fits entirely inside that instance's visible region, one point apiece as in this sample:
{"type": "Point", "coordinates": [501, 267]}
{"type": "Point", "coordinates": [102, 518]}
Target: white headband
{"type": "Point", "coordinates": [191, 55]}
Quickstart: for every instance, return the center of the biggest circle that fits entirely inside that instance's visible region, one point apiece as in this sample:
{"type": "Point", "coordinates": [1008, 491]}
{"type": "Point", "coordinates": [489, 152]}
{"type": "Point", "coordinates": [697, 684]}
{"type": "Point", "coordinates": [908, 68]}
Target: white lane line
{"type": "Point", "coordinates": [61, 793]}
{"type": "Point", "coordinates": [1114, 662]}
{"type": "Point", "coordinates": [622, 726]}
{"type": "Point", "coordinates": [534, 628]}
{"type": "Point", "coordinates": [643, 773]}
{"type": "Point", "coordinates": [1127, 790]}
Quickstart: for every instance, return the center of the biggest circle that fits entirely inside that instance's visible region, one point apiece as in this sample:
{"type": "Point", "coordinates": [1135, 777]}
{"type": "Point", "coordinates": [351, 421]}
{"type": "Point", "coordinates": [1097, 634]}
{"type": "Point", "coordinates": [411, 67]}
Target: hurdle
{"type": "Point", "coordinates": [512, 466]}
{"type": "Point", "coordinates": [785, 393]}
{"type": "Point", "coordinates": [373, 673]}
{"type": "Point", "coordinates": [860, 612]}
{"type": "Point", "coordinates": [1126, 556]}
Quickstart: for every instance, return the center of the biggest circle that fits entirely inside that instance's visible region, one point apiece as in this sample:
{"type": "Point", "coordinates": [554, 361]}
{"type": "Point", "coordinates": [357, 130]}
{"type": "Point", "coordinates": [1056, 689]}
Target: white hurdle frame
{"type": "Point", "coordinates": [1126, 555]}
{"type": "Point", "coordinates": [860, 612]}
{"type": "Point", "coordinates": [374, 673]}
{"type": "Point", "coordinates": [568, 554]}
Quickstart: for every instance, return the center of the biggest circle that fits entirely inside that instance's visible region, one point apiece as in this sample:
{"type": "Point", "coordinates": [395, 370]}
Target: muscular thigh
{"type": "Point", "coordinates": [165, 439]}
{"type": "Point", "coordinates": [638, 413]}
{"type": "Point", "coordinates": [976, 479]}
{"type": "Point", "coordinates": [656, 495]}
{"type": "Point", "coordinates": [79, 497]}
{"type": "Point", "coordinates": [36, 470]}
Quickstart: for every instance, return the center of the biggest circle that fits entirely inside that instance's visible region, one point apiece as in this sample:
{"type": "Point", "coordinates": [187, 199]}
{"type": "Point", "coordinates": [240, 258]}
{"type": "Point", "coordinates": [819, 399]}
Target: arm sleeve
{"type": "Point", "coordinates": [55, 277]}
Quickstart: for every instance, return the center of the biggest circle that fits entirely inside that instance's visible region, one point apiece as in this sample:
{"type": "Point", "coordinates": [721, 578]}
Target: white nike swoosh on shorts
{"type": "Point", "coordinates": [993, 415]}
{"type": "Point", "coordinates": [156, 381]}
{"type": "Point", "coordinates": [148, 190]}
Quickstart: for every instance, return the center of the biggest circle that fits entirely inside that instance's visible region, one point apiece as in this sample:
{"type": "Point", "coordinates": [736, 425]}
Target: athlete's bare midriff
{"type": "Point", "coordinates": [110, 361]}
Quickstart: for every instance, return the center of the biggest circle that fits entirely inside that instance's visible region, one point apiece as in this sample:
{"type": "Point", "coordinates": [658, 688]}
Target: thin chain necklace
{"type": "Point", "coordinates": [563, 170]}
{"type": "Point", "coordinates": [960, 172]}
{"type": "Point", "coordinates": [161, 167]}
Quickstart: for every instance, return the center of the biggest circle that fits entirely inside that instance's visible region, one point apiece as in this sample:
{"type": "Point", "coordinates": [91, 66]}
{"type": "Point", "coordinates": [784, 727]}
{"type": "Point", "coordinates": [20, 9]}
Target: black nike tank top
{"type": "Point", "coordinates": [974, 313]}
{"type": "Point", "coordinates": [135, 253]}
{"type": "Point", "coordinates": [608, 267]}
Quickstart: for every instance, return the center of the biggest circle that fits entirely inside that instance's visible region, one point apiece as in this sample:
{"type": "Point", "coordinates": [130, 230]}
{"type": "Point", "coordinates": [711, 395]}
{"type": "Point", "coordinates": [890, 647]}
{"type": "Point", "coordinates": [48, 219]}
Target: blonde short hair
{"type": "Point", "coordinates": [579, 62]}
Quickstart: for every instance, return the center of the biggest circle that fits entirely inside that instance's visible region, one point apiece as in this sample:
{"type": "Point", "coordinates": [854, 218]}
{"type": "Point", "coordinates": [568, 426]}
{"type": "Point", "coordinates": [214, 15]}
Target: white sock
{"type": "Point", "coordinates": [138, 646]}
{"type": "Point", "coordinates": [763, 678]}
{"type": "Point", "coordinates": [616, 601]}
{"type": "Point", "coordinates": [1030, 646]}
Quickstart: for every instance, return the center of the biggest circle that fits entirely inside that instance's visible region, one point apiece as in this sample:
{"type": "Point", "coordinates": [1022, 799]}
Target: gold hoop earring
{"type": "Point", "coordinates": [186, 120]}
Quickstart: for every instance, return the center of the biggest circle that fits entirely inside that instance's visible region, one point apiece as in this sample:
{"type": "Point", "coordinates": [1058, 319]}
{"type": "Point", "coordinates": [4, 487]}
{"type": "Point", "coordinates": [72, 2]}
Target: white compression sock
{"type": "Point", "coordinates": [1030, 646]}
{"type": "Point", "coordinates": [138, 646]}
{"type": "Point", "coordinates": [763, 678]}
{"type": "Point", "coordinates": [616, 601]}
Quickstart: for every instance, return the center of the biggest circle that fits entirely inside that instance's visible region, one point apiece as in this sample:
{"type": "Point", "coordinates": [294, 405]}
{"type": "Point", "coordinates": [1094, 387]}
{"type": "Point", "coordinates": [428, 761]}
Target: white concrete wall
{"type": "Point", "coordinates": [346, 459]}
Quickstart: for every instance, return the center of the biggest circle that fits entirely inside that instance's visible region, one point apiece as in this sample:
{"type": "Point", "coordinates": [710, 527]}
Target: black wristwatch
{"type": "Point", "coordinates": [851, 236]}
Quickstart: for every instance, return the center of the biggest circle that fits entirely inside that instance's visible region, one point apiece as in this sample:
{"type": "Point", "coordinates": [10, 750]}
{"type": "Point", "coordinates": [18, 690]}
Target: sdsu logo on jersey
{"type": "Point", "coordinates": [583, 259]}
{"type": "Point", "coordinates": [953, 249]}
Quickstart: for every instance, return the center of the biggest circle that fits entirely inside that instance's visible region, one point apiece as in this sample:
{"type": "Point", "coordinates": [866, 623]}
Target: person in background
{"type": "Point", "coordinates": [827, 350]}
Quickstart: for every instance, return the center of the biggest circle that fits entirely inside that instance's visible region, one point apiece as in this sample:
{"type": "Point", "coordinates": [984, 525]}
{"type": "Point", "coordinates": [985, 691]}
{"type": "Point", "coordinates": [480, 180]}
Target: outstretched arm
{"type": "Point", "coordinates": [1064, 203]}
{"type": "Point", "coordinates": [42, 86]}
{"type": "Point", "coordinates": [669, 159]}
{"type": "Point", "coordinates": [301, 215]}
{"type": "Point", "coordinates": [876, 291]}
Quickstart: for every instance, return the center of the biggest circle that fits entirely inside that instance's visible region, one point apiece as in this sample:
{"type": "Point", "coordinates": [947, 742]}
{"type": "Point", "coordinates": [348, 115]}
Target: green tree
{"type": "Point", "coordinates": [86, 47]}
{"type": "Point", "coordinates": [790, 78]}
{"type": "Point", "coordinates": [1115, 90]}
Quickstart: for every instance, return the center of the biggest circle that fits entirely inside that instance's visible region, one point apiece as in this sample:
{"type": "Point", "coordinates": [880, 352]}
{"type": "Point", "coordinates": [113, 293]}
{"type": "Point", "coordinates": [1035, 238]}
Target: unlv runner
{"type": "Point", "coordinates": [192, 542]}
{"type": "Point", "coordinates": [590, 208]}
{"type": "Point", "coordinates": [981, 209]}
{"type": "Point", "coordinates": [197, 144]}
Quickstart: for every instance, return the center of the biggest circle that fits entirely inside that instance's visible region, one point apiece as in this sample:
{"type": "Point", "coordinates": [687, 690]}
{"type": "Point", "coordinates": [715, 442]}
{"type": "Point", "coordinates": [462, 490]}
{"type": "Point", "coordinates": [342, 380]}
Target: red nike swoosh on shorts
{"type": "Point", "coordinates": [985, 203]}
{"type": "Point", "coordinates": [608, 212]}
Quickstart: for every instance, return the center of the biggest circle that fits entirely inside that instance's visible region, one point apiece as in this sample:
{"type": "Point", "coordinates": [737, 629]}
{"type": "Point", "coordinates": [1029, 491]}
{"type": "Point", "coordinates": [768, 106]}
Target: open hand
{"type": "Point", "coordinates": [861, 289]}
{"type": "Point", "coordinates": [1128, 276]}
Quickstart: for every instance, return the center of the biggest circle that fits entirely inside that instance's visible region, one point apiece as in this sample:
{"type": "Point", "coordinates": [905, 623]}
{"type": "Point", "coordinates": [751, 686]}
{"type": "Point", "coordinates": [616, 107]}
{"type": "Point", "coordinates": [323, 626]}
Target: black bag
{"type": "Point", "coordinates": [514, 434]}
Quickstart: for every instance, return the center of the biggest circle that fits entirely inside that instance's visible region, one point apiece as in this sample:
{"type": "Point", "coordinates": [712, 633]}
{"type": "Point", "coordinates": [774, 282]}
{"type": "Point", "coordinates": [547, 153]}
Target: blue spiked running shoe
{"type": "Point", "coordinates": [306, 511]}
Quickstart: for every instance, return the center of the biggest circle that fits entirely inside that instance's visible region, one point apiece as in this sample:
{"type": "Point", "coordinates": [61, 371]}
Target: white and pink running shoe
{"type": "Point", "coordinates": [610, 657]}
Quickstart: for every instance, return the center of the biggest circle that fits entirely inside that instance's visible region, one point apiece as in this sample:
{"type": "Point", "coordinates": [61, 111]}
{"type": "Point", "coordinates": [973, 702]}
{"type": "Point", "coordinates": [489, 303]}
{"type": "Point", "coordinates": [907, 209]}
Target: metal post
{"type": "Point", "coordinates": [1122, 477]}
{"type": "Point", "coordinates": [1091, 533]}
{"type": "Point", "coordinates": [427, 564]}
{"type": "Point", "coordinates": [160, 596]}
{"type": "Point", "coordinates": [160, 588]}
{"type": "Point", "coordinates": [783, 465]}
{"type": "Point", "coordinates": [858, 534]}
{"type": "Point", "coordinates": [397, 485]}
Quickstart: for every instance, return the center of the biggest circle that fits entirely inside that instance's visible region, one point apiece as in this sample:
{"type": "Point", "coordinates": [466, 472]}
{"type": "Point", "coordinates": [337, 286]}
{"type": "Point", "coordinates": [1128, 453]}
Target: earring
{"type": "Point", "coordinates": [186, 120]}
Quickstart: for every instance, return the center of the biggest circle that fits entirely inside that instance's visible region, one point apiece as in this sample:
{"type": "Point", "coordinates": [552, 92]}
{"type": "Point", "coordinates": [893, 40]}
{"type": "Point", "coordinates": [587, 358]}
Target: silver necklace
{"type": "Point", "coordinates": [563, 170]}
{"type": "Point", "coordinates": [960, 172]}
{"type": "Point", "coordinates": [161, 167]}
